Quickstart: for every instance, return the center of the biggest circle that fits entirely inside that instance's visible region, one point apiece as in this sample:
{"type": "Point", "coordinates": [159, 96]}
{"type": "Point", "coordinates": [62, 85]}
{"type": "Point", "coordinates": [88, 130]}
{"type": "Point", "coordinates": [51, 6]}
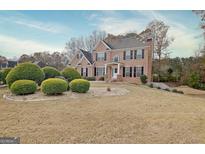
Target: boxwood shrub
{"type": "Point", "coordinates": [70, 74]}
{"type": "Point", "coordinates": [5, 72]}
{"type": "Point", "coordinates": [27, 71]}
{"type": "Point", "coordinates": [80, 85]}
{"type": "Point", "coordinates": [50, 72]}
{"type": "Point", "coordinates": [54, 86]}
{"type": "Point", "coordinates": [23, 87]}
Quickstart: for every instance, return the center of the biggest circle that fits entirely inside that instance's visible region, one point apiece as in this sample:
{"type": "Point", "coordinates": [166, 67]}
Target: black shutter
{"type": "Point", "coordinates": [134, 71]}
{"type": "Point", "coordinates": [105, 56]}
{"type": "Point", "coordinates": [86, 71]}
{"type": "Point", "coordinates": [124, 55]}
{"type": "Point", "coordinates": [131, 54]}
{"type": "Point", "coordinates": [142, 71]}
{"type": "Point", "coordinates": [81, 71]}
{"type": "Point", "coordinates": [96, 57]}
{"type": "Point", "coordinates": [142, 53]}
{"type": "Point", "coordinates": [130, 71]}
{"type": "Point", "coordinates": [94, 71]}
{"type": "Point", "coordinates": [123, 73]}
{"type": "Point", "coordinates": [135, 54]}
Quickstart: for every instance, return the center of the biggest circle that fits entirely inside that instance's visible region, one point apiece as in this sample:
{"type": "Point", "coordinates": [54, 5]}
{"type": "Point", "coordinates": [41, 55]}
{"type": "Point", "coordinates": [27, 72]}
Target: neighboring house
{"type": "Point", "coordinates": [117, 58]}
{"type": "Point", "coordinates": [8, 64]}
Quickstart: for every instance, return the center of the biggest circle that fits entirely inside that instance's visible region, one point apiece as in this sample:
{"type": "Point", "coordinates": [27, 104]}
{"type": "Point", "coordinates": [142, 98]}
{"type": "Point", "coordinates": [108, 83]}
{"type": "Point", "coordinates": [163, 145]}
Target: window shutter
{"type": "Point", "coordinates": [96, 58]}
{"type": "Point", "coordinates": [130, 71]}
{"type": "Point", "coordinates": [86, 71]}
{"type": "Point", "coordinates": [105, 56]}
{"type": "Point", "coordinates": [123, 74]}
{"type": "Point", "coordinates": [94, 71]}
{"type": "Point", "coordinates": [124, 55]}
{"type": "Point", "coordinates": [135, 54]}
{"type": "Point", "coordinates": [81, 71]}
{"type": "Point", "coordinates": [134, 71]}
{"type": "Point", "coordinates": [131, 54]}
{"type": "Point", "coordinates": [142, 71]}
{"type": "Point", "coordinates": [142, 53]}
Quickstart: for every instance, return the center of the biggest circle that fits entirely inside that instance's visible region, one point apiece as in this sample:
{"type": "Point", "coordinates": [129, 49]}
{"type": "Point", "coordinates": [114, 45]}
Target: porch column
{"type": "Point", "coordinates": [118, 68]}
{"type": "Point", "coordinates": [105, 69]}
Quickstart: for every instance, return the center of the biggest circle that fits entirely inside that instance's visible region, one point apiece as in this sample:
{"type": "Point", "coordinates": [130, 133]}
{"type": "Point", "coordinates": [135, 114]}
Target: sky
{"type": "Point", "coordinates": [25, 32]}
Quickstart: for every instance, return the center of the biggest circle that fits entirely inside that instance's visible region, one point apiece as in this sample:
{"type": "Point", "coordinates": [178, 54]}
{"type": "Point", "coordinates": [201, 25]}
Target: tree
{"type": "Point", "coordinates": [86, 43]}
{"type": "Point", "coordinates": [26, 58]}
{"type": "Point", "coordinates": [2, 60]}
{"type": "Point", "coordinates": [161, 40]}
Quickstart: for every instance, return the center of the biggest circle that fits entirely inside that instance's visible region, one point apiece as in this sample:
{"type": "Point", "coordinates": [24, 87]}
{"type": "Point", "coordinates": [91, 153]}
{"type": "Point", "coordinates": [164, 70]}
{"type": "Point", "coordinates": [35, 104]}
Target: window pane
{"type": "Point", "coordinates": [127, 54]}
{"type": "Point", "coordinates": [100, 71]}
{"type": "Point", "coordinates": [100, 56]}
{"type": "Point", "coordinates": [127, 71]}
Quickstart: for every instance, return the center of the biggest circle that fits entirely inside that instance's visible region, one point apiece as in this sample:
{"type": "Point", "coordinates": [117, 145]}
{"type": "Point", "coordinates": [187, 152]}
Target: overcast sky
{"type": "Point", "coordinates": [33, 31]}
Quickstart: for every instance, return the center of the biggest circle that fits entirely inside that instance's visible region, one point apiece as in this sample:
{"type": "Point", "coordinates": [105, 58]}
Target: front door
{"type": "Point", "coordinates": [114, 73]}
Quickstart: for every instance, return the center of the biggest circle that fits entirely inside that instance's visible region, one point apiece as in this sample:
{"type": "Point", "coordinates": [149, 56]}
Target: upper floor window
{"type": "Point", "coordinates": [116, 59]}
{"type": "Point", "coordinates": [100, 56]}
{"type": "Point", "coordinates": [139, 54]}
{"type": "Point", "coordinates": [127, 54]}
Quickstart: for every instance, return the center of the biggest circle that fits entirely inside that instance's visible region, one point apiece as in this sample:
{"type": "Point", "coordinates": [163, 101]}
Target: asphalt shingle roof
{"type": "Point", "coordinates": [88, 55]}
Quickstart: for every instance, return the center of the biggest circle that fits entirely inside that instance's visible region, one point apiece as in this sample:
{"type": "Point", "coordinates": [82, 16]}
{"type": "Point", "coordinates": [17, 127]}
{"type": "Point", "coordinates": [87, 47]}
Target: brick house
{"type": "Point", "coordinates": [116, 58]}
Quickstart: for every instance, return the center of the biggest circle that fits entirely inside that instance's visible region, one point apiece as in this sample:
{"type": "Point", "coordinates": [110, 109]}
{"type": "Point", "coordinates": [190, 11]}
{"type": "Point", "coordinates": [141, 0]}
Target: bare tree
{"type": "Point", "coordinates": [26, 58]}
{"type": "Point", "coordinates": [86, 43]}
{"type": "Point", "coordinates": [161, 40]}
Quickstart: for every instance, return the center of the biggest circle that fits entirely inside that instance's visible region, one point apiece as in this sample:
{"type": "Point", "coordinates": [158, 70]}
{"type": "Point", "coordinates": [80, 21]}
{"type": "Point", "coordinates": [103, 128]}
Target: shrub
{"type": "Point", "coordinates": [174, 90]}
{"type": "Point", "coordinates": [1, 75]}
{"type": "Point", "coordinates": [101, 78]}
{"type": "Point", "coordinates": [194, 80]}
{"type": "Point", "coordinates": [167, 89]}
{"type": "Point", "coordinates": [50, 72]}
{"type": "Point", "coordinates": [23, 87]}
{"type": "Point", "coordinates": [163, 78]}
{"type": "Point", "coordinates": [71, 74]}
{"type": "Point", "coordinates": [89, 78]}
{"type": "Point", "coordinates": [80, 85]}
{"type": "Point", "coordinates": [151, 85]}
{"type": "Point", "coordinates": [54, 86]}
{"type": "Point", "coordinates": [158, 87]}
{"type": "Point", "coordinates": [5, 72]}
{"type": "Point", "coordinates": [143, 79]}
{"type": "Point", "coordinates": [27, 71]}
{"type": "Point", "coordinates": [177, 91]}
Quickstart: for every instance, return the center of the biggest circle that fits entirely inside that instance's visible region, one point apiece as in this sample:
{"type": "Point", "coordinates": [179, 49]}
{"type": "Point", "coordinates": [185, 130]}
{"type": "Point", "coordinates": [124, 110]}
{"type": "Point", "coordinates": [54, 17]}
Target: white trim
{"type": "Point", "coordinates": [106, 44]}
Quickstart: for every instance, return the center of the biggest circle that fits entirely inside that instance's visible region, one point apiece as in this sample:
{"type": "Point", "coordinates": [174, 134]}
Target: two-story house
{"type": "Point", "coordinates": [116, 59]}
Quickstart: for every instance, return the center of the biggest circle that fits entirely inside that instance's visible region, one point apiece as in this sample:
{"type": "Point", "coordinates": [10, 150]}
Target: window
{"type": "Point", "coordinates": [127, 54]}
{"type": "Point", "coordinates": [127, 71]}
{"type": "Point", "coordinates": [138, 71]}
{"type": "Point", "coordinates": [100, 56]}
{"type": "Point", "coordinates": [84, 71]}
{"type": "Point", "coordinates": [116, 59]}
{"type": "Point", "coordinates": [140, 54]}
{"type": "Point", "coordinates": [100, 71]}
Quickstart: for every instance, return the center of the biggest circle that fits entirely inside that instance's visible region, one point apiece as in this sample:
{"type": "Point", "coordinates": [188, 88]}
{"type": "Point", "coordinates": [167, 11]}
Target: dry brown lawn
{"type": "Point", "coordinates": [144, 115]}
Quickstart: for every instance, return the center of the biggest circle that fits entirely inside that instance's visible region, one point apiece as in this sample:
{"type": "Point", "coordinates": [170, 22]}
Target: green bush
{"type": "Point", "coordinates": [167, 89]}
{"type": "Point", "coordinates": [27, 71]}
{"type": "Point", "coordinates": [23, 87]}
{"type": "Point", "coordinates": [50, 72]}
{"type": "Point", "coordinates": [174, 90]}
{"type": "Point", "coordinates": [163, 78]}
{"type": "Point", "coordinates": [89, 78]}
{"type": "Point", "coordinates": [151, 85]}
{"type": "Point", "coordinates": [70, 74]}
{"type": "Point", "coordinates": [1, 75]}
{"type": "Point", "coordinates": [194, 80]}
{"type": "Point", "coordinates": [80, 85]}
{"type": "Point", "coordinates": [143, 79]}
{"type": "Point", "coordinates": [54, 86]}
{"type": "Point", "coordinates": [158, 87]}
{"type": "Point", "coordinates": [5, 72]}
{"type": "Point", "coordinates": [61, 77]}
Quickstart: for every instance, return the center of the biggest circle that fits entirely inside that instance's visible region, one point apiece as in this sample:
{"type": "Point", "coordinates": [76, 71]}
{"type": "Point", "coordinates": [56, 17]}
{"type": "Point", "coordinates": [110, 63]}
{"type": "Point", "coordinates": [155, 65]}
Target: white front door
{"type": "Point", "coordinates": [114, 73]}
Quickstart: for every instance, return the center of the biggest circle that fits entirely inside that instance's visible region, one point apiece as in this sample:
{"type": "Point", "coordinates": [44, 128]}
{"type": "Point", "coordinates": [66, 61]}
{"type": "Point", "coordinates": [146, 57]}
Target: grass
{"type": "Point", "coordinates": [144, 115]}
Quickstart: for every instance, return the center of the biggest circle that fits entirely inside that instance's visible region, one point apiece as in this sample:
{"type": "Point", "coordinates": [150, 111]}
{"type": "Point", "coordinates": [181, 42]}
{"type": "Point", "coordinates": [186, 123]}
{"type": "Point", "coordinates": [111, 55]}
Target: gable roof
{"type": "Point", "coordinates": [124, 42]}
{"type": "Point", "coordinates": [87, 55]}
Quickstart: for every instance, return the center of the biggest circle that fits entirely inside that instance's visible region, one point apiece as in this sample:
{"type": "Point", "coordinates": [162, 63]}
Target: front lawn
{"type": "Point", "coordinates": [144, 115]}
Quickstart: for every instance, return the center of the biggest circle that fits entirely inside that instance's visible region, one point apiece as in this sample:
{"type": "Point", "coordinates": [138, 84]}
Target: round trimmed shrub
{"type": "Point", "coordinates": [50, 72]}
{"type": "Point", "coordinates": [54, 86]}
{"type": "Point", "coordinates": [80, 85]}
{"type": "Point", "coordinates": [23, 87]}
{"type": "Point", "coordinates": [5, 72]}
{"type": "Point", "coordinates": [70, 74]}
{"type": "Point", "coordinates": [143, 79]}
{"type": "Point", "coordinates": [27, 71]}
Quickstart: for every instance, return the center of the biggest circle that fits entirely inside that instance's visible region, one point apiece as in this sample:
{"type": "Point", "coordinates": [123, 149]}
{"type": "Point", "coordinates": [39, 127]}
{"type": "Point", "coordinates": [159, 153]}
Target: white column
{"type": "Point", "coordinates": [118, 68]}
{"type": "Point", "coordinates": [105, 69]}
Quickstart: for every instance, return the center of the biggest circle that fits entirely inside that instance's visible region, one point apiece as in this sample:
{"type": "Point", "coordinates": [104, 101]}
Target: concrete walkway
{"type": "Point", "coordinates": [161, 85]}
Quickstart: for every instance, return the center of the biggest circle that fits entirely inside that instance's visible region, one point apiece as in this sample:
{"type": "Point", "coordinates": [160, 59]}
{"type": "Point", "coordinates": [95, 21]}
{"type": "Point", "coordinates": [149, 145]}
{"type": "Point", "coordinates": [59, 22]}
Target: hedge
{"type": "Point", "coordinates": [23, 87]}
{"type": "Point", "coordinates": [54, 86]}
{"type": "Point", "coordinates": [27, 71]}
{"type": "Point", "coordinates": [50, 72]}
{"type": "Point", "coordinates": [79, 85]}
{"type": "Point", "coordinates": [5, 72]}
{"type": "Point", "coordinates": [70, 74]}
